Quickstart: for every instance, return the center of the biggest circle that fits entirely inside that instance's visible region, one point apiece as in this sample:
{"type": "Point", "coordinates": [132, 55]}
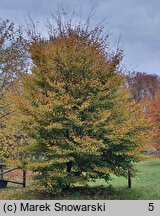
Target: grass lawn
{"type": "Point", "coordinates": [146, 185]}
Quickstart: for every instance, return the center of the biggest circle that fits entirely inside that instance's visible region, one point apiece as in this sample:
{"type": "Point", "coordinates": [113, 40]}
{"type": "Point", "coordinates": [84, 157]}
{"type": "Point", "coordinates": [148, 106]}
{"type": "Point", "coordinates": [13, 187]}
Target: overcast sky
{"type": "Point", "coordinates": [137, 22]}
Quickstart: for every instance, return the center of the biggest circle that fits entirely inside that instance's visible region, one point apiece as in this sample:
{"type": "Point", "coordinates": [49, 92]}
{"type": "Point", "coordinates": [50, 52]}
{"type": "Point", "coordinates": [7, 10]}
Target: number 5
{"type": "Point", "coordinates": [151, 207]}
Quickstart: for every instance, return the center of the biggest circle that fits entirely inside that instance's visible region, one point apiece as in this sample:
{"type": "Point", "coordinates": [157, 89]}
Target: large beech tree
{"type": "Point", "coordinates": [75, 110]}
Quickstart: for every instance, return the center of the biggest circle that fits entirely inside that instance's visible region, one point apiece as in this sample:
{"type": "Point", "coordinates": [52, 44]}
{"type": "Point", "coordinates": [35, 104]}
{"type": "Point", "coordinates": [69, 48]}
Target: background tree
{"type": "Point", "coordinates": [13, 59]}
{"type": "Point", "coordinates": [13, 55]}
{"type": "Point", "coordinates": [75, 111]}
{"type": "Point", "coordinates": [145, 90]}
{"type": "Point", "coordinates": [143, 85]}
{"type": "Point", "coordinates": [154, 113]}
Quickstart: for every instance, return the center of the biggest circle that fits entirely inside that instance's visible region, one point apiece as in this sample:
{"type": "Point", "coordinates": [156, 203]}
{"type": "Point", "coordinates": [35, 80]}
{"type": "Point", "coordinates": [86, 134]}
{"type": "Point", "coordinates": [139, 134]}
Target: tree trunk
{"type": "Point", "coordinates": [24, 178]}
{"type": "Point", "coordinates": [129, 180]}
{"type": "Point", "coordinates": [69, 166]}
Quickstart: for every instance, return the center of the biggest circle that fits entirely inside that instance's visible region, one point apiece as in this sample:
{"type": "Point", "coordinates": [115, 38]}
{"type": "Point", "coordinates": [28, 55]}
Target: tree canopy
{"type": "Point", "coordinates": [73, 119]}
{"type": "Point", "coordinates": [75, 111]}
{"type": "Point", "coordinates": [13, 60]}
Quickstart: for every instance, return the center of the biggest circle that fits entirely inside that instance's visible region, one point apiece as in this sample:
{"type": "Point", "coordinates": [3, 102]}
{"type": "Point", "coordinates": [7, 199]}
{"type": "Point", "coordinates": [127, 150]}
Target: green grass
{"type": "Point", "coordinates": [146, 185]}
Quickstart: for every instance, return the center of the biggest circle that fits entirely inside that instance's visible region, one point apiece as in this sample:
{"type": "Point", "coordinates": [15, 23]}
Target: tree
{"type": "Point", "coordinates": [13, 55]}
{"type": "Point", "coordinates": [13, 59]}
{"type": "Point", "coordinates": [145, 90]}
{"type": "Point", "coordinates": [154, 113]}
{"type": "Point", "coordinates": [75, 111]}
{"type": "Point", "coordinates": [143, 85]}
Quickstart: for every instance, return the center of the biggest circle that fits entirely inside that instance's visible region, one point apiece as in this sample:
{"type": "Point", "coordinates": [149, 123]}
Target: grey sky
{"type": "Point", "coordinates": [136, 21]}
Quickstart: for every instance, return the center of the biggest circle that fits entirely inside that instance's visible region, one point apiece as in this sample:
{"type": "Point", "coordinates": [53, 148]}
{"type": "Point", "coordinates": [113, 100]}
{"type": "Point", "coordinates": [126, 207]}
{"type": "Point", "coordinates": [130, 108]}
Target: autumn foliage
{"type": "Point", "coordinates": [145, 90]}
{"type": "Point", "coordinates": [73, 118]}
{"type": "Point", "coordinates": [154, 113]}
{"type": "Point", "coordinates": [13, 60]}
{"type": "Point", "coordinates": [75, 111]}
